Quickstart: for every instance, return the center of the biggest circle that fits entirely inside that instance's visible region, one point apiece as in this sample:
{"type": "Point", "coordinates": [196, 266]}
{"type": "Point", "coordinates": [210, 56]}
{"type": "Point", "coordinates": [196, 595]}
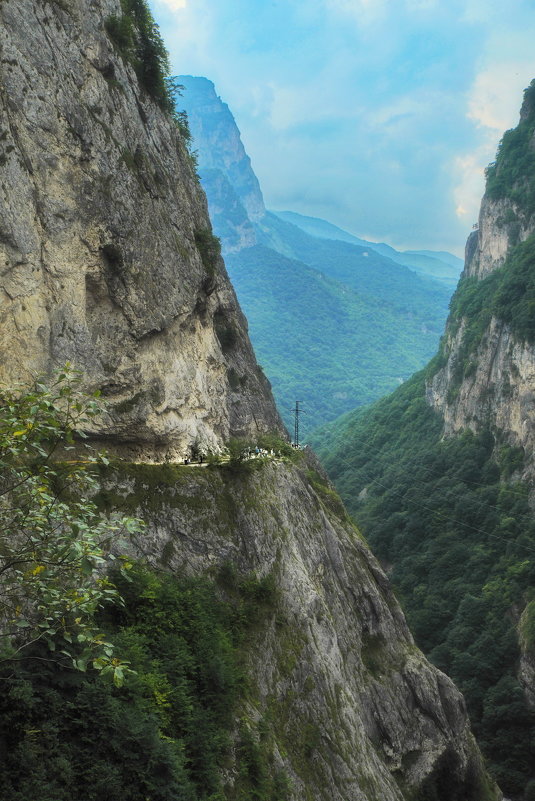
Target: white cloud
{"type": "Point", "coordinates": [493, 104]}
{"type": "Point", "coordinates": [421, 5]}
{"type": "Point", "coordinates": [494, 100]}
{"type": "Point", "coordinates": [174, 5]}
{"type": "Point", "coordinates": [363, 11]}
{"type": "Point", "coordinates": [470, 178]}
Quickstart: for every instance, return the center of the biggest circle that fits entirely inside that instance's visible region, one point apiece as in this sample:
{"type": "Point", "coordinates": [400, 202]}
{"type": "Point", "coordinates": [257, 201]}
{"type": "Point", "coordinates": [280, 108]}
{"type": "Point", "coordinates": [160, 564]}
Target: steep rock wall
{"type": "Point", "coordinates": [357, 712]}
{"type": "Point", "coordinates": [106, 248]}
{"type": "Point", "coordinates": [218, 139]}
{"type": "Point", "coordinates": [494, 384]}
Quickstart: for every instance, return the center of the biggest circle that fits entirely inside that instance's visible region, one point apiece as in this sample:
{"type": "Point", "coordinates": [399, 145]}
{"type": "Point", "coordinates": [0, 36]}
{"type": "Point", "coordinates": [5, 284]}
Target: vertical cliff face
{"type": "Point", "coordinates": [487, 375]}
{"type": "Point", "coordinates": [108, 257]}
{"type": "Point", "coordinates": [109, 261]}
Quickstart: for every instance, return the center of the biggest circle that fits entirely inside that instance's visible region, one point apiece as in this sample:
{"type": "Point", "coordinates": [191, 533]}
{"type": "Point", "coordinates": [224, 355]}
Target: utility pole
{"type": "Point", "coordinates": [297, 411]}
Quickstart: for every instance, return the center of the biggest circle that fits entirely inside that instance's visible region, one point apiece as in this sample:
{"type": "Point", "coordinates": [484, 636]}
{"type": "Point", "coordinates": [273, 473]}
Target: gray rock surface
{"type": "Point", "coordinates": [101, 218]}
{"type": "Point", "coordinates": [526, 672]}
{"type": "Point", "coordinates": [499, 390]}
{"type": "Point", "coordinates": [217, 141]}
{"type": "Point", "coordinates": [501, 387]}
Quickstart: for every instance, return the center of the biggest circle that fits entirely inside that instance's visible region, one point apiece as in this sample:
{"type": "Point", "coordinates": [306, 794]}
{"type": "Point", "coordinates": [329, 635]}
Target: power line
{"type": "Point", "coordinates": [297, 411]}
{"type": "Point", "coordinates": [457, 522]}
{"type": "Point", "coordinates": [417, 461]}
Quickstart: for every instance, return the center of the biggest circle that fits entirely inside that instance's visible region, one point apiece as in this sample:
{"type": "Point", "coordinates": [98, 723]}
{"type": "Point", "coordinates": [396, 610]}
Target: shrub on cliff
{"type": "Point", "coordinates": [53, 541]}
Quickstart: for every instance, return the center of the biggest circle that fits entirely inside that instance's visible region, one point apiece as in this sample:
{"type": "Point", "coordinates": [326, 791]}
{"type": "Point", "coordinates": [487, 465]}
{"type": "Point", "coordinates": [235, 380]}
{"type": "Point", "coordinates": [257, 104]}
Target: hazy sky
{"type": "Point", "coordinates": [378, 115]}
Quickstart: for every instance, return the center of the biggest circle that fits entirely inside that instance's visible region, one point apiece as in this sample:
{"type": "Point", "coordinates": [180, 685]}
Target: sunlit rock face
{"type": "Point", "coordinates": [108, 261]}
{"type": "Point", "coordinates": [105, 240]}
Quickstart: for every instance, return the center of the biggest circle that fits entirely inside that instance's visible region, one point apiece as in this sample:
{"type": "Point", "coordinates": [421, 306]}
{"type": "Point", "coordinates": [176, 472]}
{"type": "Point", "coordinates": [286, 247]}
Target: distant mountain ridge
{"type": "Point", "coordinates": [441, 265]}
{"type": "Point", "coordinates": [334, 321]}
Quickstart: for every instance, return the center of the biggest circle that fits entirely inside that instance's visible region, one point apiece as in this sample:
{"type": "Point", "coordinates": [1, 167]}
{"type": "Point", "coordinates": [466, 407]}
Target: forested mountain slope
{"type": "Point", "coordinates": [258, 651]}
{"type": "Point", "coordinates": [443, 267]}
{"type": "Point", "coordinates": [440, 474]}
{"type": "Point", "coordinates": [321, 341]}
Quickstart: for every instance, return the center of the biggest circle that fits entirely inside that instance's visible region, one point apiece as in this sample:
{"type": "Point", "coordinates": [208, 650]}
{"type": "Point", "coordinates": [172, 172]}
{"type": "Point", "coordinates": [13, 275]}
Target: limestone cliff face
{"type": "Point", "coordinates": [495, 383]}
{"type": "Point", "coordinates": [108, 261]}
{"type": "Point", "coordinates": [107, 257]}
{"type": "Point", "coordinates": [492, 385]}
{"type": "Point", "coordinates": [224, 166]}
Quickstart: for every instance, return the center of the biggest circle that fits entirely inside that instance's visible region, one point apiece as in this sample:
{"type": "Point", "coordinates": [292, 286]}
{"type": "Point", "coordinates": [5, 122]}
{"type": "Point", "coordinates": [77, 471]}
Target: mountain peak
{"type": "Point", "coordinates": [218, 142]}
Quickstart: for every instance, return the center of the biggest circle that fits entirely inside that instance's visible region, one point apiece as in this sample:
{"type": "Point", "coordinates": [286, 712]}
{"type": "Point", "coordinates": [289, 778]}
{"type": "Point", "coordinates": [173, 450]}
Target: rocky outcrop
{"type": "Point", "coordinates": [108, 261]}
{"type": "Point", "coordinates": [526, 632]}
{"type": "Point", "coordinates": [107, 254]}
{"type": "Point", "coordinates": [227, 213]}
{"type": "Point", "coordinates": [500, 389]}
{"type": "Point", "coordinates": [494, 384]}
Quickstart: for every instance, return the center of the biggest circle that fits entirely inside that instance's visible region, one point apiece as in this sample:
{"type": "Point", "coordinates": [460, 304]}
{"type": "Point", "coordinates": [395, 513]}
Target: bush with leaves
{"type": "Point", "coordinates": [54, 544]}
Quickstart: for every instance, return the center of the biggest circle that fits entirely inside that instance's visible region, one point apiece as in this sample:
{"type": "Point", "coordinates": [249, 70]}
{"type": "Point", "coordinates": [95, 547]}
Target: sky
{"type": "Point", "coordinates": [377, 115]}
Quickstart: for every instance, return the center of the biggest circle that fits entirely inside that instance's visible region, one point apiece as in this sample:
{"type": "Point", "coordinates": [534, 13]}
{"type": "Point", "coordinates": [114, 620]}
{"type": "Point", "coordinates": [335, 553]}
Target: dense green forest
{"type": "Point", "coordinates": [362, 269]}
{"type": "Point", "coordinates": [327, 342]}
{"type": "Point", "coordinates": [168, 731]}
{"type": "Point", "coordinates": [457, 537]}
{"type": "Point", "coordinates": [441, 266]}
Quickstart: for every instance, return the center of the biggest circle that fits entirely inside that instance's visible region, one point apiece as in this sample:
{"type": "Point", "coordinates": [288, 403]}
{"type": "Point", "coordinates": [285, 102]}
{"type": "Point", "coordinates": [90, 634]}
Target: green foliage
{"type": "Point", "coordinates": [225, 332]}
{"type": "Point", "coordinates": [54, 543]}
{"type": "Point", "coordinates": [459, 539]}
{"type": "Point", "coordinates": [447, 781]}
{"type": "Point", "coordinates": [139, 41]}
{"type": "Point", "coordinates": [507, 293]}
{"type": "Point", "coordinates": [137, 37]}
{"type": "Point", "coordinates": [209, 248]}
{"type": "Point", "coordinates": [167, 733]}
{"type": "Point", "coordinates": [242, 456]}
{"type": "Point", "coordinates": [527, 630]}
{"type": "Point", "coordinates": [512, 175]}
{"type": "Point", "coordinates": [331, 326]}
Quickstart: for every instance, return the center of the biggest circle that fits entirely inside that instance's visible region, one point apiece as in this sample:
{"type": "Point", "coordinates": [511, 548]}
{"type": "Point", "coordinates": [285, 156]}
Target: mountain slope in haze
{"type": "Point", "coordinates": [361, 269]}
{"type": "Point", "coordinates": [442, 266]}
{"type": "Point", "coordinates": [440, 475]}
{"type": "Point", "coordinates": [388, 319]}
